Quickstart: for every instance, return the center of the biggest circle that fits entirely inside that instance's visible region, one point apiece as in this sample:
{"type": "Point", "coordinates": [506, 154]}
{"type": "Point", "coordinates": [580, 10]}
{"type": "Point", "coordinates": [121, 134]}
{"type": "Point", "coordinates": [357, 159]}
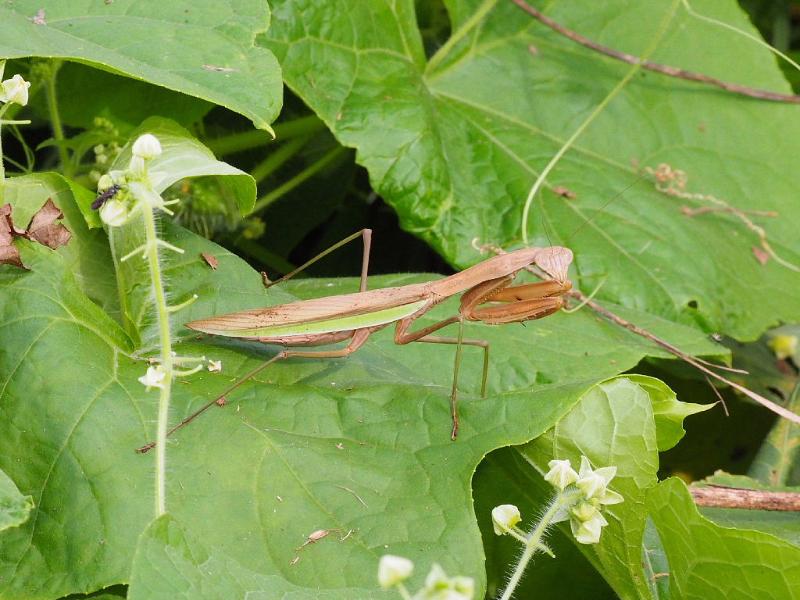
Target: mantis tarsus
{"type": "Point", "coordinates": [488, 297]}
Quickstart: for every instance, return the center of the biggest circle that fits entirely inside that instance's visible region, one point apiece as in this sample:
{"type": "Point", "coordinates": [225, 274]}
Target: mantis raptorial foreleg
{"type": "Point", "coordinates": [403, 336]}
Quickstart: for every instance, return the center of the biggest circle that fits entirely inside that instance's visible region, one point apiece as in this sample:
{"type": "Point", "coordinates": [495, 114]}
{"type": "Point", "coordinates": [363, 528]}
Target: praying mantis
{"type": "Point", "coordinates": [488, 296]}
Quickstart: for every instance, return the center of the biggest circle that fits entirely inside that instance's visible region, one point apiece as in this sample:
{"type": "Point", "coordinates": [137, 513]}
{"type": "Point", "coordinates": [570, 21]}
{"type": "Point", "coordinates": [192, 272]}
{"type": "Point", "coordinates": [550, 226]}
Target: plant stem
{"type": "Point", "coordinates": [165, 343]}
{"type": "Point", "coordinates": [534, 540]}
{"type": "Point", "coordinates": [277, 158]}
{"type": "Point", "coordinates": [55, 117]}
{"type": "Point", "coordinates": [238, 142]}
{"type": "Point", "coordinates": [295, 181]}
{"type": "Point", "coordinates": [2, 167]}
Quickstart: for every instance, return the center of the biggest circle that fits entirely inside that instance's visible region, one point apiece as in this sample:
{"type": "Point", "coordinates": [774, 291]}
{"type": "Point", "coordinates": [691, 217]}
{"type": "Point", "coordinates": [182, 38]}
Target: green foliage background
{"type": "Point", "coordinates": [436, 117]}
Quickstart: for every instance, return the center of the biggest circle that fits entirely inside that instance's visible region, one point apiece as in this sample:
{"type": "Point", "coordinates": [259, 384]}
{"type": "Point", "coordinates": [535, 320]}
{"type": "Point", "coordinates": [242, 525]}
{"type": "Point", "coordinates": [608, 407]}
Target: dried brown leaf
{"type": "Point", "coordinates": [9, 255]}
{"type": "Point", "coordinates": [210, 259]}
{"type": "Point", "coordinates": [44, 229]}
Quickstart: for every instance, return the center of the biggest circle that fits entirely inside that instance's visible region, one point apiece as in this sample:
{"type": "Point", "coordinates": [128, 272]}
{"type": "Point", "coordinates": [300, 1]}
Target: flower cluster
{"type": "Point", "coordinates": [394, 570]}
{"type": "Point", "coordinates": [120, 206]}
{"type": "Point", "coordinates": [584, 511]}
{"type": "Point", "coordinates": [580, 497]}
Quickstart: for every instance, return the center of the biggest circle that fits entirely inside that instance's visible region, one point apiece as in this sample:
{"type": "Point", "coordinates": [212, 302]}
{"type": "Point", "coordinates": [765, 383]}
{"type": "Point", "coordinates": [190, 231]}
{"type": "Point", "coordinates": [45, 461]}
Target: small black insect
{"type": "Point", "coordinates": [105, 196]}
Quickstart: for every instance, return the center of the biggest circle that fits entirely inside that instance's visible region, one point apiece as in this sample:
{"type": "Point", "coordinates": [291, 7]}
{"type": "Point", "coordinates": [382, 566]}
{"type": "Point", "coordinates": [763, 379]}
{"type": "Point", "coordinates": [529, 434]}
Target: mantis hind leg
{"type": "Point", "coordinates": [365, 234]}
{"type": "Point", "coordinates": [358, 337]}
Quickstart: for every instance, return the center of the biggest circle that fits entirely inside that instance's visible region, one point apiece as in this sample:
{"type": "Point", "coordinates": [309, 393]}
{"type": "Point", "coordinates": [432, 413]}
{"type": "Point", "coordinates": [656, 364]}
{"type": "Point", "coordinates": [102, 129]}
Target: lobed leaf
{"type": "Point", "coordinates": [455, 142]}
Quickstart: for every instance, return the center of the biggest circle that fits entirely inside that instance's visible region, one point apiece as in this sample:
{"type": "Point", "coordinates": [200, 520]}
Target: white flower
{"type": "Point", "coordinates": [215, 366]}
{"type": "Point", "coordinates": [393, 570]}
{"type": "Point", "coordinates": [15, 90]}
{"type": "Point", "coordinates": [593, 482]}
{"type": "Point", "coordinates": [561, 474]}
{"type": "Point", "coordinates": [504, 517]}
{"type": "Point", "coordinates": [114, 213]}
{"type": "Point", "coordinates": [146, 146]}
{"type": "Point", "coordinates": [153, 378]}
{"type": "Point", "coordinates": [588, 532]}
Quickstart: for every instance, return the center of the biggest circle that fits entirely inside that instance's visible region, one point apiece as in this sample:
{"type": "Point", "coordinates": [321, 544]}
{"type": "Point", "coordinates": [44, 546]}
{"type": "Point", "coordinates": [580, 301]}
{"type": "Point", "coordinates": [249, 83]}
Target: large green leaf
{"type": "Point", "coordinates": [169, 566]}
{"type": "Point", "coordinates": [204, 50]}
{"type": "Point", "coordinates": [360, 444]}
{"type": "Point", "coordinates": [712, 561]}
{"type": "Point", "coordinates": [454, 143]}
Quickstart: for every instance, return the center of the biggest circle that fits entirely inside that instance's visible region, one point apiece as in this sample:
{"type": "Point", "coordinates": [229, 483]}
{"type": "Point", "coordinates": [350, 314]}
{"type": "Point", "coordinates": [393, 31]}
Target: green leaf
{"type": "Point", "coordinates": [206, 51]}
{"type": "Point", "coordinates": [14, 507]}
{"type": "Point", "coordinates": [455, 143]}
{"type": "Point", "coordinates": [360, 444]}
{"type": "Point", "coordinates": [168, 565]}
{"type": "Point", "coordinates": [668, 412]}
{"type": "Point", "coordinates": [712, 561]}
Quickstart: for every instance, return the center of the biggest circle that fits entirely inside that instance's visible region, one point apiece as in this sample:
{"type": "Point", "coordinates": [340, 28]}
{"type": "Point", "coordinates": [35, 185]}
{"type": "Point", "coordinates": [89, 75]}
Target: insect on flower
{"type": "Point", "coordinates": [105, 196]}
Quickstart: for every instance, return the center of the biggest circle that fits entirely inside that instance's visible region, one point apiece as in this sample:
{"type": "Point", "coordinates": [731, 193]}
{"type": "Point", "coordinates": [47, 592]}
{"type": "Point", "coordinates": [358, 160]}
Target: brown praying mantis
{"type": "Point", "coordinates": [488, 296]}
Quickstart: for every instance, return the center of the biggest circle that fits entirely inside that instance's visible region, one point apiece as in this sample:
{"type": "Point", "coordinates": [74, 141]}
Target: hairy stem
{"type": "Point", "coordinates": [532, 545]}
{"type": "Point", "coordinates": [165, 343]}
{"type": "Point", "coordinates": [55, 118]}
{"type": "Point", "coordinates": [2, 167]}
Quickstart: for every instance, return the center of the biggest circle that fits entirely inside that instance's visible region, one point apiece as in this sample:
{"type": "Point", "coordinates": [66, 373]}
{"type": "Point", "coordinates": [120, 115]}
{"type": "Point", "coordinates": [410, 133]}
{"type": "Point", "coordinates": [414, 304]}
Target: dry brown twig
{"type": "Point", "coordinates": [668, 70]}
{"type": "Point", "coordinates": [730, 497]}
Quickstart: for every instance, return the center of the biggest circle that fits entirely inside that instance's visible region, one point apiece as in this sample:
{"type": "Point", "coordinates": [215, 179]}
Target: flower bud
{"type": "Point", "coordinates": [114, 213]}
{"type": "Point", "coordinates": [15, 90]}
{"type": "Point", "coordinates": [393, 570]}
{"type": "Point", "coordinates": [137, 166]}
{"type": "Point", "coordinates": [147, 146]}
{"type": "Point", "coordinates": [561, 474]}
{"type": "Point", "coordinates": [505, 517]}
